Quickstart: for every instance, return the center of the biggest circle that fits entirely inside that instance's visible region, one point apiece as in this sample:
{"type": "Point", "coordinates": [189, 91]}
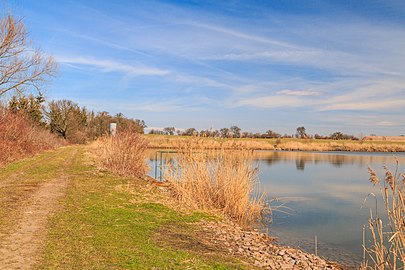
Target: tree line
{"type": "Point", "coordinates": [236, 132]}
{"type": "Point", "coordinates": [68, 120]}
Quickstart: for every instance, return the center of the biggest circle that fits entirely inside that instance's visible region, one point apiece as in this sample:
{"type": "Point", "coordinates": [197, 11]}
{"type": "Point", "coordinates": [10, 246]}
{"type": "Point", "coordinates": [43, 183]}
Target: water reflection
{"type": "Point", "coordinates": [337, 159]}
{"type": "Point", "coordinates": [324, 192]}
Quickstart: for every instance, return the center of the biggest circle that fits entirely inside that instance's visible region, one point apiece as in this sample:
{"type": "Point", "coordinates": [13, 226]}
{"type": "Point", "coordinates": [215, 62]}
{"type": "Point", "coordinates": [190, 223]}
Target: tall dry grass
{"type": "Point", "coordinates": [351, 146]}
{"type": "Point", "coordinates": [124, 153]}
{"type": "Point", "coordinates": [173, 142]}
{"type": "Point", "coordinates": [217, 179]}
{"type": "Point", "coordinates": [19, 138]}
{"type": "Point", "coordinates": [387, 250]}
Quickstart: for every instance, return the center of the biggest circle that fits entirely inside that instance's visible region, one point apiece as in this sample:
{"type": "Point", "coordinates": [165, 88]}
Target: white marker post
{"type": "Point", "coordinates": [113, 129]}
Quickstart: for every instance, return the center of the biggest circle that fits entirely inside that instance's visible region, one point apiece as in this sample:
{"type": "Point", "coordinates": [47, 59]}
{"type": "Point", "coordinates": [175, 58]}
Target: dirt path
{"type": "Point", "coordinates": [21, 245]}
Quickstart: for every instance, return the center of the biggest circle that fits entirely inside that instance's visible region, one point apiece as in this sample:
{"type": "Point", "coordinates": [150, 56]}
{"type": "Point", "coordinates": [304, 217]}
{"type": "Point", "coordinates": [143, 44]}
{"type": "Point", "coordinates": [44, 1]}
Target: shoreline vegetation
{"type": "Point", "coordinates": [368, 144]}
{"type": "Point", "coordinates": [220, 183]}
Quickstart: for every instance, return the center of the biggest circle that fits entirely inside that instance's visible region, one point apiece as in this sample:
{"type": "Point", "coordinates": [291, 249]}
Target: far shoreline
{"type": "Point", "coordinates": [281, 144]}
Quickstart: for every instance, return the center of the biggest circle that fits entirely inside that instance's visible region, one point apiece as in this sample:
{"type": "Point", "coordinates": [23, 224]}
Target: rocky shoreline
{"type": "Point", "coordinates": [260, 250]}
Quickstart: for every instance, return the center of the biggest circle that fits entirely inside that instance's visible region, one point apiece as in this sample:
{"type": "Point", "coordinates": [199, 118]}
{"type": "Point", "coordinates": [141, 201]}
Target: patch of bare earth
{"type": "Point", "coordinates": [21, 245]}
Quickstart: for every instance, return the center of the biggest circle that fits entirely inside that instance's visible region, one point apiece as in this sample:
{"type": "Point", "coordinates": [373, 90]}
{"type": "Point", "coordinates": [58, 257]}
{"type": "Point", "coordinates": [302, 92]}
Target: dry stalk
{"type": "Point", "coordinates": [388, 241]}
{"type": "Point", "coordinates": [217, 179]}
{"type": "Point", "coordinates": [124, 154]}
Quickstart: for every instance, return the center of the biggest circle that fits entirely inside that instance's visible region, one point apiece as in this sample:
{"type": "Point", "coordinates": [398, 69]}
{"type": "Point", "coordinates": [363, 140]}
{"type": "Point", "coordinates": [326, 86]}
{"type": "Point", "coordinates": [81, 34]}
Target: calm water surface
{"type": "Point", "coordinates": [321, 194]}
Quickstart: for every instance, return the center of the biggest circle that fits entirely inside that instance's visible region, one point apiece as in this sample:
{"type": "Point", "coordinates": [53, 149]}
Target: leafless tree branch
{"type": "Point", "coordinates": [21, 67]}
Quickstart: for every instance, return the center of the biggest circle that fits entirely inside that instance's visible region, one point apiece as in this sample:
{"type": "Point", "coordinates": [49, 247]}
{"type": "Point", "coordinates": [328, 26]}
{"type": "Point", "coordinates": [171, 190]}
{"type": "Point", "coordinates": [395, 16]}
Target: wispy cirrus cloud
{"type": "Point", "coordinates": [217, 57]}
{"type": "Point", "coordinates": [112, 66]}
{"type": "Point", "coordinates": [375, 105]}
{"type": "Point", "coordinates": [289, 92]}
{"type": "Point", "coordinates": [270, 102]}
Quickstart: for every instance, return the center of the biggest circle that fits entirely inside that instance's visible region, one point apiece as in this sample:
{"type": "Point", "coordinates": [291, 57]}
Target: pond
{"type": "Point", "coordinates": [322, 194]}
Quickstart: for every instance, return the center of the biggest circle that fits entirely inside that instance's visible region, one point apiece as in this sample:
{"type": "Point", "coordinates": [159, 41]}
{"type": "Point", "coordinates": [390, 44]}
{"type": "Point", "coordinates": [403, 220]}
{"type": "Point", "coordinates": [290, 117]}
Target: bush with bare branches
{"type": "Point", "coordinates": [19, 138]}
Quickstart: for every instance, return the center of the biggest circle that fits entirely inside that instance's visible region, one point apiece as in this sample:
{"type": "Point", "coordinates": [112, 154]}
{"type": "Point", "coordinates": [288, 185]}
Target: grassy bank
{"type": "Point", "coordinates": [105, 221]}
{"type": "Point", "coordinates": [110, 222]}
{"type": "Point", "coordinates": [287, 144]}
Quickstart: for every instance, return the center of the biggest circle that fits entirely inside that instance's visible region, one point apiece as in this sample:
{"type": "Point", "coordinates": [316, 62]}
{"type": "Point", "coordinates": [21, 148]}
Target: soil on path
{"type": "Point", "coordinates": [21, 244]}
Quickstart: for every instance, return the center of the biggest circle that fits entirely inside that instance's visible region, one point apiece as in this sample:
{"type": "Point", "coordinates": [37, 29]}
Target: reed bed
{"type": "Point", "coordinates": [388, 145]}
{"type": "Point", "coordinates": [123, 154]}
{"type": "Point", "coordinates": [173, 142]}
{"type": "Point", "coordinates": [220, 180]}
{"type": "Point", "coordinates": [387, 250]}
{"type": "Point", "coordinates": [358, 146]}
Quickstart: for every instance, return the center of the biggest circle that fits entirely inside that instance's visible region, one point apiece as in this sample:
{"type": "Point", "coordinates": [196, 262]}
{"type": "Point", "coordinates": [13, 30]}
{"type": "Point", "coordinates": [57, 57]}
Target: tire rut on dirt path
{"type": "Point", "coordinates": [21, 246]}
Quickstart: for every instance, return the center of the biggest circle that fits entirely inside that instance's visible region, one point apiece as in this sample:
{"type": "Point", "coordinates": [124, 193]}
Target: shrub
{"type": "Point", "coordinates": [20, 138]}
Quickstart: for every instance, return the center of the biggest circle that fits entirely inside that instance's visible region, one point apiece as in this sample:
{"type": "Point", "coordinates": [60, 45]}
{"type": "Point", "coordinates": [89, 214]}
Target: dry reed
{"type": "Point", "coordinates": [387, 249]}
{"type": "Point", "coordinates": [351, 146]}
{"type": "Point", "coordinates": [221, 180]}
{"type": "Point", "coordinates": [388, 145]}
{"type": "Point", "coordinates": [124, 153]}
{"type": "Point", "coordinates": [173, 142]}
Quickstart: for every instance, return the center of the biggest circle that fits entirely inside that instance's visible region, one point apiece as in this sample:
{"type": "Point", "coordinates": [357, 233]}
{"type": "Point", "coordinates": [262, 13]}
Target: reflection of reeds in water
{"type": "Point", "coordinates": [387, 249]}
{"type": "Point", "coordinates": [302, 159]}
{"type": "Point", "coordinates": [220, 180]}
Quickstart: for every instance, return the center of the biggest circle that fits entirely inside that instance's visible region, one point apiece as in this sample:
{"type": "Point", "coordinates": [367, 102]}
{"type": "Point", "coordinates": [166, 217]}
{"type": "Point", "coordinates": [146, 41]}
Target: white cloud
{"type": "Point", "coordinates": [241, 35]}
{"type": "Point", "coordinates": [289, 92]}
{"type": "Point", "coordinates": [366, 105]}
{"type": "Point", "coordinates": [112, 66]}
{"type": "Point", "coordinates": [271, 102]}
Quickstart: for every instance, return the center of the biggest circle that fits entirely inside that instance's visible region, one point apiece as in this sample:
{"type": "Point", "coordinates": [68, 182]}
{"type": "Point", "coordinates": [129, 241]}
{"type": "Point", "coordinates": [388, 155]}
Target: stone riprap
{"type": "Point", "coordinates": [260, 249]}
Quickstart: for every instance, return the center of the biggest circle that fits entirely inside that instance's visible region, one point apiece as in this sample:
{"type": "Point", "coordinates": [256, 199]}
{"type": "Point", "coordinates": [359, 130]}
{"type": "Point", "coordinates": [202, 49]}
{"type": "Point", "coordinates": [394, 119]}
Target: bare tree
{"type": "Point", "coordinates": [169, 130]}
{"type": "Point", "coordinates": [21, 67]}
{"type": "Point", "coordinates": [235, 130]}
{"type": "Point", "coordinates": [64, 118]}
{"type": "Point", "coordinates": [225, 132]}
{"type": "Point", "coordinates": [301, 133]}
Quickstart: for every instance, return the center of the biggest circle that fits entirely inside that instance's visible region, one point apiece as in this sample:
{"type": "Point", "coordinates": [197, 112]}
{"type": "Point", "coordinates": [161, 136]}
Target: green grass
{"type": "Point", "coordinates": [103, 226]}
{"type": "Point", "coordinates": [18, 180]}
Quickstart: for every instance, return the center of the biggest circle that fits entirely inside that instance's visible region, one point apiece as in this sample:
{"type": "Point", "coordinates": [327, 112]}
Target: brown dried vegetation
{"type": "Point", "coordinates": [19, 138]}
{"type": "Point", "coordinates": [123, 154]}
{"type": "Point", "coordinates": [387, 250]}
{"type": "Point", "coordinates": [219, 180]}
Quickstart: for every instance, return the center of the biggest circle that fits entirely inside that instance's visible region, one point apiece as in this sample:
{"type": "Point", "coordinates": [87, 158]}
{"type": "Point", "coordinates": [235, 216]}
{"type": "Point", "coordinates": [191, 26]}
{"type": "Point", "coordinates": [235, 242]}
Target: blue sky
{"type": "Point", "coordinates": [326, 65]}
